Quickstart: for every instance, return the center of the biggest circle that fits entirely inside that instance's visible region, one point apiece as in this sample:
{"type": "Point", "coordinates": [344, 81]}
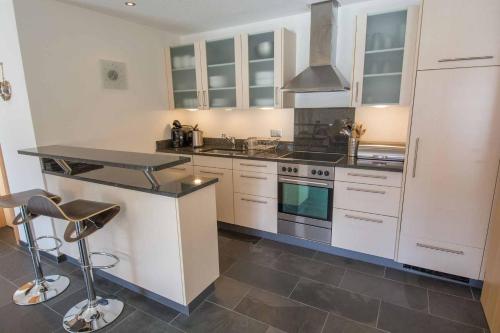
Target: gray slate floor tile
{"type": "Point", "coordinates": [24, 319]}
{"type": "Point", "coordinates": [336, 324]}
{"type": "Point", "coordinates": [353, 264]}
{"type": "Point", "coordinates": [396, 319]}
{"type": "Point", "coordinates": [6, 291]}
{"type": "Point", "coordinates": [309, 268]}
{"type": "Point", "coordinates": [7, 235]}
{"type": "Point", "coordinates": [5, 248]}
{"type": "Point", "coordinates": [225, 262]}
{"type": "Point", "coordinates": [299, 251]}
{"type": "Point", "coordinates": [337, 301]}
{"type": "Point", "coordinates": [239, 236]}
{"type": "Point", "coordinates": [455, 308]}
{"type": "Point", "coordinates": [139, 321]}
{"type": "Point", "coordinates": [147, 305]}
{"type": "Point", "coordinates": [228, 292]}
{"type": "Point", "coordinates": [261, 255]}
{"type": "Point", "coordinates": [235, 248]}
{"type": "Point", "coordinates": [209, 317]}
{"type": "Point", "coordinates": [263, 277]}
{"type": "Point", "coordinates": [476, 293]}
{"type": "Point", "coordinates": [389, 291]}
{"type": "Point", "coordinates": [281, 312]}
{"type": "Point", "coordinates": [15, 265]}
{"type": "Point", "coordinates": [429, 283]}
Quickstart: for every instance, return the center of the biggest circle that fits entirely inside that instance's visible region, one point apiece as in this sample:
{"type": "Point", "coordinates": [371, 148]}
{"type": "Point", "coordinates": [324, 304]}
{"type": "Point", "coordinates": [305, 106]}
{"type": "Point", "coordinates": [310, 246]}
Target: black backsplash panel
{"type": "Point", "coordinates": [317, 129]}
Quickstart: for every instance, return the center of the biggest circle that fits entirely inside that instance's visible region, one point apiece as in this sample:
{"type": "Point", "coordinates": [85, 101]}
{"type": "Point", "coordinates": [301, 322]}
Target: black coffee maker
{"type": "Point", "coordinates": [182, 135]}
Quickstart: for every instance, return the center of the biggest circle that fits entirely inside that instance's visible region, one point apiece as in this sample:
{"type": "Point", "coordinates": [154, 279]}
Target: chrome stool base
{"type": "Point", "coordinates": [35, 291]}
{"type": "Point", "coordinates": [82, 318]}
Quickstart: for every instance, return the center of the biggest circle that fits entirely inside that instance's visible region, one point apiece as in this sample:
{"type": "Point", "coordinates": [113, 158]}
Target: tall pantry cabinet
{"type": "Point", "coordinates": [454, 145]}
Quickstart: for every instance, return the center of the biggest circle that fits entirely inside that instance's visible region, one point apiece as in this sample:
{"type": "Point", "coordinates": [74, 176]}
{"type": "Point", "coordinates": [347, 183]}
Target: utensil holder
{"type": "Point", "coordinates": [352, 147]}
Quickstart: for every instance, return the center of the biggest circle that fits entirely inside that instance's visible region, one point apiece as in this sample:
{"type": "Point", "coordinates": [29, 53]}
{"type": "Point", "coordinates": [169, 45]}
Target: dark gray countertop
{"type": "Point", "coordinates": [170, 185]}
{"type": "Point", "coordinates": [278, 156]}
{"type": "Point", "coordinates": [112, 158]}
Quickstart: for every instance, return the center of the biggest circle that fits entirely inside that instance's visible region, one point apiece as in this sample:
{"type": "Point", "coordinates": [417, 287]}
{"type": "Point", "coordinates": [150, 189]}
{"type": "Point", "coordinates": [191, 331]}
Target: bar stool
{"type": "Point", "coordinates": [42, 288]}
{"type": "Point", "coordinates": [85, 217]}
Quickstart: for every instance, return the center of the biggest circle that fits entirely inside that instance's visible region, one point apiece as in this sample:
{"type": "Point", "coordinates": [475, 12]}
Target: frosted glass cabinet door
{"type": "Point", "coordinates": [183, 77]}
{"type": "Point", "coordinates": [384, 57]}
{"type": "Point", "coordinates": [221, 73]}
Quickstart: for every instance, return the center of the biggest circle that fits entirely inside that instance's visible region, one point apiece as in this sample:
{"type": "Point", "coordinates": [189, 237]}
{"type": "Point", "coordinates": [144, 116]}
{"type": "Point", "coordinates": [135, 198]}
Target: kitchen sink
{"type": "Point", "coordinates": [224, 151]}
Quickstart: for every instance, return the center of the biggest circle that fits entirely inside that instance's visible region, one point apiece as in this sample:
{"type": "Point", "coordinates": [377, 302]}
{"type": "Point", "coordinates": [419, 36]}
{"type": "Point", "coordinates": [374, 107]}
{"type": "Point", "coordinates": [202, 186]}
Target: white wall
{"type": "Point", "coordinates": [61, 47]}
{"type": "Point", "coordinates": [388, 124]}
{"type": "Point", "coordinates": [16, 128]}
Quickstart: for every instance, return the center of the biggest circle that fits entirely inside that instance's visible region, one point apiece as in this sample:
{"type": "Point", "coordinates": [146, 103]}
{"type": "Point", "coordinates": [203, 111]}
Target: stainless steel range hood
{"type": "Point", "coordinates": [321, 75]}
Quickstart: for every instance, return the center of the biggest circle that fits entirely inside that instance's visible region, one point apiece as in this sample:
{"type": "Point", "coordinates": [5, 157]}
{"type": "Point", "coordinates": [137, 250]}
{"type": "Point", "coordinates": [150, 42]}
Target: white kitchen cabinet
{"type": "Point", "coordinates": [205, 75]}
{"type": "Point", "coordinates": [223, 190]}
{"type": "Point", "coordinates": [260, 184]}
{"type": "Point", "coordinates": [384, 59]}
{"type": "Point", "coordinates": [268, 62]}
{"type": "Point", "coordinates": [365, 233]}
{"type": "Point", "coordinates": [255, 166]}
{"type": "Point", "coordinates": [452, 162]}
{"type": "Point", "coordinates": [374, 177]}
{"type": "Point", "coordinates": [459, 33]}
{"type": "Point", "coordinates": [178, 171]}
{"type": "Point", "coordinates": [256, 212]}
{"type": "Point", "coordinates": [383, 200]}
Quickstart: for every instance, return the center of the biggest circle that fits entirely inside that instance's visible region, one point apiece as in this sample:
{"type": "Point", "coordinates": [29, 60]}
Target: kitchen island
{"type": "Point", "coordinates": [166, 232]}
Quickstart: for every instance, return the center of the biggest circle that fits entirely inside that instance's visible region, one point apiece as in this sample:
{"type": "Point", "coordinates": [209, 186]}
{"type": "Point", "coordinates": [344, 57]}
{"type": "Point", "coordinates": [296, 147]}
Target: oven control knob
{"type": "Point", "coordinates": [320, 172]}
{"type": "Point", "coordinates": [283, 169]}
{"type": "Point", "coordinates": [289, 169]}
{"type": "Point", "coordinates": [295, 170]}
{"type": "Point", "coordinates": [326, 173]}
{"type": "Point", "coordinates": [313, 172]}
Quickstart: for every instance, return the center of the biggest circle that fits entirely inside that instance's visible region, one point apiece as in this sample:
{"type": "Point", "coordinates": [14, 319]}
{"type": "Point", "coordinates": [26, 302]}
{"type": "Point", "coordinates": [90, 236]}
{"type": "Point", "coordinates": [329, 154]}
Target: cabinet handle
{"type": "Point", "coordinates": [357, 91]}
{"type": "Point", "coordinates": [415, 157]}
{"type": "Point", "coordinates": [256, 201]}
{"type": "Point", "coordinates": [442, 249]}
{"type": "Point", "coordinates": [212, 173]}
{"type": "Point", "coordinates": [366, 175]}
{"type": "Point", "coordinates": [363, 218]}
{"type": "Point", "coordinates": [200, 105]}
{"type": "Point", "coordinates": [254, 165]}
{"type": "Point", "coordinates": [365, 190]}
{"type": "Point", "coordinates": [465, 59]}
{"type": "Point", "coordinates": [253, 177]}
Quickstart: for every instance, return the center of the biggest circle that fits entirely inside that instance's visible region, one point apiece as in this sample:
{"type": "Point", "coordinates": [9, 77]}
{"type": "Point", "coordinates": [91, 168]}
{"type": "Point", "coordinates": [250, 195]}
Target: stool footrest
{"type": "Point", "coordinates": [57, 240]}
{"type": "Point", "coordinates": [117, 260]}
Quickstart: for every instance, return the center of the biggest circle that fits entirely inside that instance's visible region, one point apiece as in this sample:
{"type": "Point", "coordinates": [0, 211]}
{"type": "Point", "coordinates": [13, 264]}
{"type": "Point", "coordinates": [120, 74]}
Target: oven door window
{"type": "Point", "coordinates": [305, 200]}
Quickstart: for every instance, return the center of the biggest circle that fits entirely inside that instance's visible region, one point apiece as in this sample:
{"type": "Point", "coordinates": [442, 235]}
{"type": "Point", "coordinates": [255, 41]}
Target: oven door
{"type": "Point", "coordinates": [306, 201]}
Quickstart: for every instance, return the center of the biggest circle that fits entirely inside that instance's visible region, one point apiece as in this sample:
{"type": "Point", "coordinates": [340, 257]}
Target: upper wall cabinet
{"type": "Point", "coordinates": [459, 33]}
{"type": "Point", "coordinates": [243, 72]}
{"type": "Point", "coordinates": [384, 59]}
{"type": "Point", "coordinates": [268, 63]}
{"type": "Point", "coordinates": [205, 74]}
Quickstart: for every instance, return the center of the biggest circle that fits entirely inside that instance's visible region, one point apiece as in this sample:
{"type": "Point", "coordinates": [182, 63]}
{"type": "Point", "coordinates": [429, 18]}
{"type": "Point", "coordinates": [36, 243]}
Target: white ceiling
{"type": "Point", "coordinates": [189, 16]}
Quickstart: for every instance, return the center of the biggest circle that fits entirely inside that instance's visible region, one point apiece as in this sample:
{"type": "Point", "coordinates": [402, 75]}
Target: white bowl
{"type": "Point", "coordinates": [177, 62]}
{"type": "Point", "coordinates": [264, 102]}
{"type": "Point", "coordinates": [264, 81]}
{"type": "Point", "coordinates": [217, 81]}
{"type": "Point", "coordinates": [264, 75]}
{"type": "Point", "coordinates": [218, 102]}
{"type": "Point", "coordinates": [265, 49]}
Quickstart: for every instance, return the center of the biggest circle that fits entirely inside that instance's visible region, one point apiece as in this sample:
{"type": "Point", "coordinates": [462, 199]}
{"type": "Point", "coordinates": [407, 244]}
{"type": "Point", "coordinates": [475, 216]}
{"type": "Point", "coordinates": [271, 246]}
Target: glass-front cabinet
{"type": "Point", "coordinates": [241, 72]}
{"type": "Point", "coordinates": [268, 63]}
{"type": "Point", "coordinates": [385, 57]}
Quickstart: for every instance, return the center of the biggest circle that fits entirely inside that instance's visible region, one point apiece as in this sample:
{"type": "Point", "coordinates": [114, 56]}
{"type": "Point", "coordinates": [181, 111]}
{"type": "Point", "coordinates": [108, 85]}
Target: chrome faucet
{"type": "Point", "coordinates": [231, 139]}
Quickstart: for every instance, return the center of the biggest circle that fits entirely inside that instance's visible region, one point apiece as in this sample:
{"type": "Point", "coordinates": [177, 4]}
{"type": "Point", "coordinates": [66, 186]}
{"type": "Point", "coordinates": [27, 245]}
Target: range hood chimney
{"type": "Point", "coordinates": [321, 75]}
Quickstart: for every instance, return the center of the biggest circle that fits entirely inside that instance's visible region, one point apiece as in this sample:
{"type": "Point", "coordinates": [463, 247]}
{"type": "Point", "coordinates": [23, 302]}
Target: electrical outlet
{"type": "Point", "coordinates": [276, 133]}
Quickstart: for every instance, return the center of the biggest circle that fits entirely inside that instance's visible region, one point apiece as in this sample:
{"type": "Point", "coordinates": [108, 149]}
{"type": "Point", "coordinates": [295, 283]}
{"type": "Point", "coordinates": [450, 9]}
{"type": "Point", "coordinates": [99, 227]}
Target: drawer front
{"type": "Point", "coordinates": [255, 166]}
{"type": "Point", "coordinates": [367, 198]}
{"type": "Point", "coordinates": [256, 212]}
{"type": "Point", "coordinates": [365, 233]}
{"type": "Point", "coordinates": [443, 257]}
{"type": "Point", "coordinates": [223, 190]}
{"type": "Point", "coordinates": [181, 155]}
{"type": "Point", "coordinates": [256, 183]}
{"type": "Point", "coordinates": [213, 162]}
{"type": "Point", "coordinates": [374, 177]}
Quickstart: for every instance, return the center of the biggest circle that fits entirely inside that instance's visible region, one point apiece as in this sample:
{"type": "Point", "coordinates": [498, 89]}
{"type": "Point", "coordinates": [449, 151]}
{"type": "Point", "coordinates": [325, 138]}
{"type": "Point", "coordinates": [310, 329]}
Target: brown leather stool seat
{"type": "Point", "coordinates": [42, 288]}
{"type": "Point", "coordinates": [85, 217]}
{"type": "Point", "coordinates": [91, 215]}
{"type": "Point", "coordinates": [21, 199]}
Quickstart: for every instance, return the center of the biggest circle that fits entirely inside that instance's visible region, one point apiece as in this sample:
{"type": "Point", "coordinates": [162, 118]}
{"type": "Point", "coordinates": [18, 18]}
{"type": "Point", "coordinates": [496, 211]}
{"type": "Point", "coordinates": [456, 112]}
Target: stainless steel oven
{"type": "Point", "coordinates": [305, 201]}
